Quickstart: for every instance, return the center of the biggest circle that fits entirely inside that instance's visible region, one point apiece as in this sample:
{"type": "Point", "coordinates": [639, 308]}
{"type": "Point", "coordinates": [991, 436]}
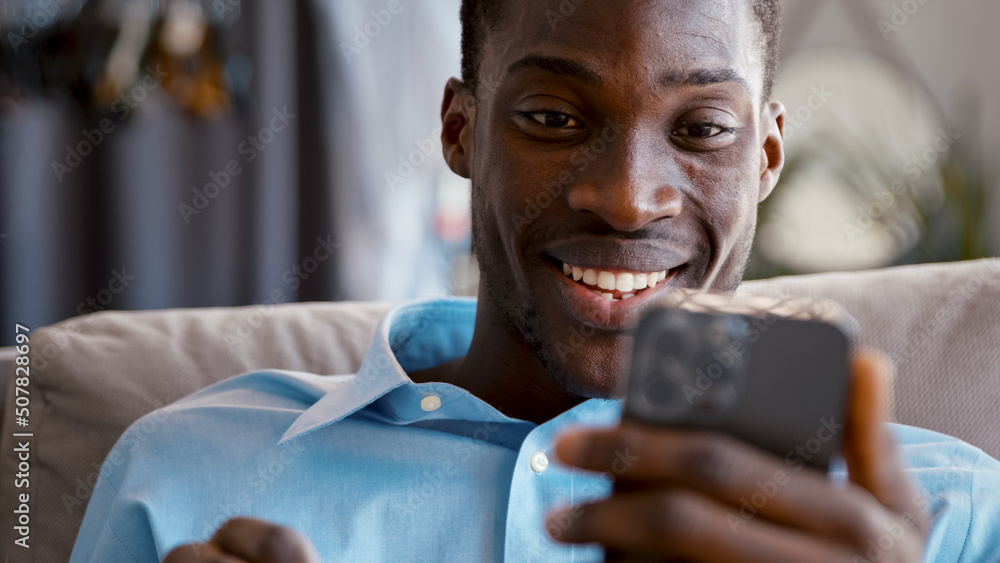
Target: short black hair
{"type": "Point", "coordinates": [479, 17]}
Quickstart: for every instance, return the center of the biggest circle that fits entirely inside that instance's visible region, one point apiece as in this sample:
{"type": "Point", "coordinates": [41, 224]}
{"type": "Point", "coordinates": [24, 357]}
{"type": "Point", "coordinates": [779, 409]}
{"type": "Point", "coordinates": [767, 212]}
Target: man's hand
{"type": "Point", "coordinates": [246, 540]}
{"type": "Point", "coordinates": [705, 497]}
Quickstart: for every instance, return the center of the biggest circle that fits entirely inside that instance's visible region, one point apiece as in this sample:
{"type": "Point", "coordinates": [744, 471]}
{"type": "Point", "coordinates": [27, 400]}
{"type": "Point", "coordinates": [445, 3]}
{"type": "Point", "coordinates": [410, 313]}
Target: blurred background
{"type": "Point", "coordinates": [191, 153]}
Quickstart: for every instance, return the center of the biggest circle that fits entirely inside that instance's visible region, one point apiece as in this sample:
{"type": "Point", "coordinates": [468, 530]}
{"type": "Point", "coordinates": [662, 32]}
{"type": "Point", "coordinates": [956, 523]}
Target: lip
{"type": "Point", "coordinates": [595, 310]}
{"type": "Point", "coordinates": [616, 255]}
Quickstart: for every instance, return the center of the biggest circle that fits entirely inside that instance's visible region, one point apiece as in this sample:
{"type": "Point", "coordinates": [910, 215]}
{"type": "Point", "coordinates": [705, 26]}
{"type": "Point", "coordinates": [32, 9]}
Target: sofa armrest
{"type": "Point", "coordinates": [94, 375]}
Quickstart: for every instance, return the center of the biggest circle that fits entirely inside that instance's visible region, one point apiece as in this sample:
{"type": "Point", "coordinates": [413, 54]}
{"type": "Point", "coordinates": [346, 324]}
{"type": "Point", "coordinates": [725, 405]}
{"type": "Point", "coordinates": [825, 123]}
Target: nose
{"type": "Point", "coordinates": [630, 184]}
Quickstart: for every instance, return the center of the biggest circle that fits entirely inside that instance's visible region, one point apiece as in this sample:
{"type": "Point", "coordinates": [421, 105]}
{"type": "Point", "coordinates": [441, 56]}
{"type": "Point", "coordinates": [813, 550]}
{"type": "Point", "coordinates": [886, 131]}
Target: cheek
{"type": "Point", "coordinates": [501, 196]}
{"type": "Point", "coordinates": [723, 189]}
{"type": "Point", "coordinates": [520, 188]}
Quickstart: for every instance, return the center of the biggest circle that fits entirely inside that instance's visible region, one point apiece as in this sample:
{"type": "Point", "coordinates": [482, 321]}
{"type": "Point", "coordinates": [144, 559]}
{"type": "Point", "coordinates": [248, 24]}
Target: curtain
{"type": "Point", "coordinates": [167, 210]}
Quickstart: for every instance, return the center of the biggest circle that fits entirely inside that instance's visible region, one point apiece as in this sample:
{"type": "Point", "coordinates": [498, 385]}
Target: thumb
{"type": "Point", "coordinates": [873, 460]}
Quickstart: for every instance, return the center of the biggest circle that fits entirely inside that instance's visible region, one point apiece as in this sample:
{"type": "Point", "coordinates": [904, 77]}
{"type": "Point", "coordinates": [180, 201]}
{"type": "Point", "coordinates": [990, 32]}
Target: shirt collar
{"type": "Point", "coordinates": [410, 337]}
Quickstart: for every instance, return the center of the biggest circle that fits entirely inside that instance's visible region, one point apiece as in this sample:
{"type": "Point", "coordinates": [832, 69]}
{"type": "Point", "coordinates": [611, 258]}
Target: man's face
{"type": "Point", "coordinates": [627, 139]}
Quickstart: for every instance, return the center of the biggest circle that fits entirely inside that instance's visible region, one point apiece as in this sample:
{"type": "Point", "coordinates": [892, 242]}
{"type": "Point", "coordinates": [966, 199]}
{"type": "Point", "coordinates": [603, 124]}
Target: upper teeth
{"type": "Point", "coordinates": [624, 281]}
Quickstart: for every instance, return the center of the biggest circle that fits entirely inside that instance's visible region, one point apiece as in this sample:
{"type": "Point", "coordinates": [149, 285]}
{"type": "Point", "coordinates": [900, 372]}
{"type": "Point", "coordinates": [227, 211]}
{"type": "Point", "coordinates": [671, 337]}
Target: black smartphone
{"type": "Point", "coordinates": [778, 383]}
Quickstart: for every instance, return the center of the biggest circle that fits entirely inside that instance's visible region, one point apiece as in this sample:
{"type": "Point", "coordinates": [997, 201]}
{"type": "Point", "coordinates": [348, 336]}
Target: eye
{"type": "Point", "coordinates": [553, 119]}
{"type": "Point", "coordinates": [700, 130]}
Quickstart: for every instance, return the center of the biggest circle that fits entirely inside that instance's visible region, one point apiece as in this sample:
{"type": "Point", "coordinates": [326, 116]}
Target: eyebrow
{"type": "Point", "coordinates": [557, 65]}
{"type": "Point", "coordinates": [704, 77]}
{"type": "Point", "coordinates": [585, 73]}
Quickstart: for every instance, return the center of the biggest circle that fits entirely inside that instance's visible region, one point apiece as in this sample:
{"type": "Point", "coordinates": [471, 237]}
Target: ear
{"type": "Point", "coordinates": [772, 152]}
{"type": "Point", "coordinates": [458, 112]}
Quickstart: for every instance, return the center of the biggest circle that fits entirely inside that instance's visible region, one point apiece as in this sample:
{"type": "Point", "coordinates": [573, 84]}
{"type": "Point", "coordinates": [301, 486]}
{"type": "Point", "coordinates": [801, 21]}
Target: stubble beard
{"type": "Point", "coordinates": [521, 309]}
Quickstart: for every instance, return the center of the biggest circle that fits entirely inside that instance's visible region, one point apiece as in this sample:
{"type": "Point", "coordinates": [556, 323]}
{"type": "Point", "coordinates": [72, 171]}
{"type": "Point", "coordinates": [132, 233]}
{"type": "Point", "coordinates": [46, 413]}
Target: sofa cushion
{"type": "Point", "coordinates": [940, 324]}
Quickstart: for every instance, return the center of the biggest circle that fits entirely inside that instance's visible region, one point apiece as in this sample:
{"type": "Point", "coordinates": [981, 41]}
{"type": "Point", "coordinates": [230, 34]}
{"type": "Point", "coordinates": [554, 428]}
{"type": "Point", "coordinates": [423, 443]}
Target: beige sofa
{"type": "Point", "coordinates": [92, 376]}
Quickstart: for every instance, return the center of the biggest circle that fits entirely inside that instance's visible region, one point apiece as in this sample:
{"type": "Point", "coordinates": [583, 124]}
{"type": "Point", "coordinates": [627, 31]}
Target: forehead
{"type": "Point", "coordinates": [635, 42]}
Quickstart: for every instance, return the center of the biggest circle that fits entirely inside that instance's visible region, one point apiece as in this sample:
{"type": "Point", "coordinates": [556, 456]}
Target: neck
{"type": "Point", "coordinates": [503, 369]}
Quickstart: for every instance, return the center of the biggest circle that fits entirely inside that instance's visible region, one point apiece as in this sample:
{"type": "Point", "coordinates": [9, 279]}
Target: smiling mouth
{"type": "Point", "coordinates": [615, 285]}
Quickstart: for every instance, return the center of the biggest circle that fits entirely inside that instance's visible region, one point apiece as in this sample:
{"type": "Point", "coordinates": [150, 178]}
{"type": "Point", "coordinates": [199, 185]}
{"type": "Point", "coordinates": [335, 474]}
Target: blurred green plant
{"type": "Point", "coordinates": [958, 229]}
{"type": "Point", "coordinates": [950, 228]}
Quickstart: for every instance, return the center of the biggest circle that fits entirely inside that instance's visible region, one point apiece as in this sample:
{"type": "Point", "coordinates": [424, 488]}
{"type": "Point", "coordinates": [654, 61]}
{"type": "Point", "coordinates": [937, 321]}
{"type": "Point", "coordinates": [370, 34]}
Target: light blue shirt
{"type": "Point", "coordinates": [367, 468]}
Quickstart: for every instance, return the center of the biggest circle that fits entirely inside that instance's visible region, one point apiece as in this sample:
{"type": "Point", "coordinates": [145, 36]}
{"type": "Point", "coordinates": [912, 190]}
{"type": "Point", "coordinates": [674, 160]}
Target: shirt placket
{"type": "Point", "coordinates": [540, 484]}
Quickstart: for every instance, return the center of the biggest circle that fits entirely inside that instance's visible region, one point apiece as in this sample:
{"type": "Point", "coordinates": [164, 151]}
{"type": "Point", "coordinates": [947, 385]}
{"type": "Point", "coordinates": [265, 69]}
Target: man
{"type": "Point", "coordinates": [614, 151]}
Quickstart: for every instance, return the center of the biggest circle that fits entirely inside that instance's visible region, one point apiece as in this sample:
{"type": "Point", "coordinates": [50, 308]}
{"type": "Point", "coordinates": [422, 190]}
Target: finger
{"type": "Point", "coordinates": [726, 469]}
{"type": "Point", "coordinates": [258, 541]}
{"type": "Point", "coordinates": [200, 553]}
{"type": "Point", "coordinates": [873, 460]}
{"type": "Point", "coordinates": [683, 524]}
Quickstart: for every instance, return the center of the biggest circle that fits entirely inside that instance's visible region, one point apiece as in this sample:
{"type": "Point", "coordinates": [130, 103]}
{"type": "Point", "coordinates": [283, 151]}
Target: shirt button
{"type": "Point", "coordinates": [430, 403]}
{"type": "Point", "coordinates": [539, 462]}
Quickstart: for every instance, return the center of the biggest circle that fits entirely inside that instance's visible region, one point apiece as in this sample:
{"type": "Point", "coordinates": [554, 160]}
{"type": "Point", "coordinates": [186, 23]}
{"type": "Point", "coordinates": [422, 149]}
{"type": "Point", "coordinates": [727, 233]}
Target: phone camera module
{"type": "Point", "coordinates": [664, 387]}
{"type": "Point", "coordinates": [699, 363]}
